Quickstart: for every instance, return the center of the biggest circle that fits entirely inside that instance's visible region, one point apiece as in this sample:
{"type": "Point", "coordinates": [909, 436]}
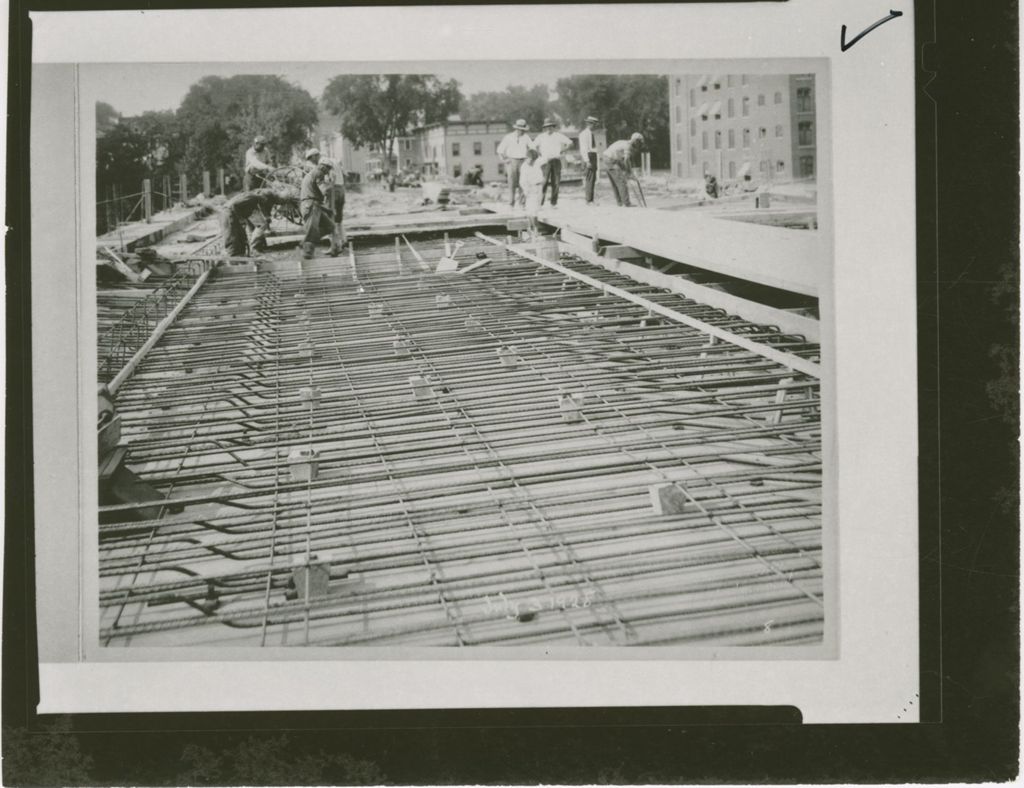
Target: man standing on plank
{"type": "Point", "coordinates": [551, 144]}
{"type": "Point", "coordinates": [512, 151]}
{"type": "Point", "coordinates": [588, 152]}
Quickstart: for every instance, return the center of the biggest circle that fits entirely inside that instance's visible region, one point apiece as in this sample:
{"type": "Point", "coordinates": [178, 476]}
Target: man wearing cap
{"type": "Point", "coordinates": [256, 166]}
{"type": "Point", "coordinates": [312, 157]}
{"type": "Point", "coordinates": [617, 161]}
{"type": "Point", "coordinates": [248, 209]}
{"type": "Point", "coordinates": [588, 152]}
{"type": "Point", "coordinates": [316, 216]}
{"type": "Point", "coordinates": [512, 151]}
{"type": "Point", "coordinates": [550, 145]}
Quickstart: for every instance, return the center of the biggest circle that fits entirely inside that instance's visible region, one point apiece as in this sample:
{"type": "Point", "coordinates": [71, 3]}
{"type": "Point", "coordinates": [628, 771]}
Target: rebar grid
{"type": "Point", "coordinates": [471, 508]}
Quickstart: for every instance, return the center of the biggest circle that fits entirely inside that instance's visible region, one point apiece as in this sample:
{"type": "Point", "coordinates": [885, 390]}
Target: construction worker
{"type": "Point", "coordinates": [245, 210]}
{"type": "Point", "coordinates": [312, 157]}
{"type": "Point", "coordinates": [257, 165]}
{"type": "Point", "coordinates": [617, 161]}
{"type": "Point", "coordinates": [588, 152]}
{"type": "Point", "coordinates": [512, 150]}
{"type": "Point", "coordinates": [551, 145]}
{"type": "Point", "coordinates": [334, 185]}
{"type": "Point", "coordinates": [316, 215]}
{"type": "Point", "coordinates": [474, 177]}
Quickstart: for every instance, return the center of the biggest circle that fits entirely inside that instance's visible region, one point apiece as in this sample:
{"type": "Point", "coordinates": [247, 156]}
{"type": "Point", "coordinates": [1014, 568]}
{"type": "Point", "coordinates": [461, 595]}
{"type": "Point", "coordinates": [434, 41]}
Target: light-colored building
{"type": "Point", "coordinates": [743, 127]}
{"type": "Point", "coordinates": [451, 148]}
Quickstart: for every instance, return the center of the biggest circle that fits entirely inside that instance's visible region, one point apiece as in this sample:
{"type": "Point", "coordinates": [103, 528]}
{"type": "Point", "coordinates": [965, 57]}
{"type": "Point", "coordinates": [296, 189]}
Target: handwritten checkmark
{"type": "Point", "coordinates": [844, 44]}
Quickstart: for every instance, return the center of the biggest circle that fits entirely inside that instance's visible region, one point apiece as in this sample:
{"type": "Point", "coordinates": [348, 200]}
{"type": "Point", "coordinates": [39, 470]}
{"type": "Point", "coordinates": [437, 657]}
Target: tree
{"type": "Point", "coordinates": [530, 104]}
{"type": "Point", "coordinates": [106, 118]}
{"type": "Point", "coordinates": [51, 755]}
{"type": "Point", "coordinates": [625, 104]}
{"type": "Point", "coordinates": [219, 117]}
{"type": "Point", "coordinates": [377, 108]}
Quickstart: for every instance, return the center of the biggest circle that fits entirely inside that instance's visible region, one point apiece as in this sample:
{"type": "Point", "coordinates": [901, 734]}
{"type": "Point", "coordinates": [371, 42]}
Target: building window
{"type": "Point", "coordinates": [762, 133]}
{"type": "Point", "coordinates": [679, 169]}
{"type": "Point", "coordinates": [408, 162]}
{"type": "Point", "coordinates": [693, 126]}
{"type": "Point", "coordinates": [704, 88]}
{"type": "Point", "coordinates": [780, 166]}
{"type": "Point", "coordinates": [455, 149]}
{"type": "Point", "coordinates": [678, 82]}
{"type": "Point", "coordinates": [746, 106]}
{"type": "Point", "coordinates": [718, 84]}
{"type": "Point", "coordinates": [746, 138]}
{"type": "Point", "coordinates": [718, 140]}
{"type": "Point", "coordinates": [732, 169]}
{"type": "Point", "coordinates": [778, 130]}
{"type": "Point", "coordinates": [732, 138]}
{"type": "Point", "coordinates": [408, 144]}
{"type": "Point", "coordinates": [679, 114]}
{"type": "Point", "coordinates": [704, 140]}
{"type": "Point", "coordinates": [457, 170]}
{"type": "Point", "coordinates": [693, 155]}
{"type": "Point", "coordinates": [743, 80]}
{"type": "Point", "coordinates": [804, 100]}
{"type": "Point", "coordinates": [679, 141]}
{"type": "Point", "coordinates": [760, 99]}
{"type": "Point", "coordinates": [806, 166]}
{"type": "Point", "coordinates": [730, 80]}
{"type": "Point", "coordinates": [805, 132]}
{"type": "Point", "coordinates": [434, 157]}
{"type": "Point", "coordinates": [693, 98]}
{"type": "Point", "coordinates": [732, 108]}
{"type": "Point", "coordinates": [501, 168]}
{"type": "Point", "coordinates": [478, 148]}
{"type": "Point", "coordinates": [778, 97]}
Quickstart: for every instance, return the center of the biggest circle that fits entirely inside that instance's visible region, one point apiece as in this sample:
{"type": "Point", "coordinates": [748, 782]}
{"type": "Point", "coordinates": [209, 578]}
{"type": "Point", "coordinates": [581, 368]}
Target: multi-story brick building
{"type": "Point", "coordinates": [751, 127]}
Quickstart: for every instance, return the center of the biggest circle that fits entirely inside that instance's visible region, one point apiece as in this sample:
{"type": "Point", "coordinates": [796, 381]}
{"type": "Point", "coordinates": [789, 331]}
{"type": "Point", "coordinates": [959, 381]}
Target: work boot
{"type": "Point", "coordinates": [334, 251]}
{"type": "Point", "coordinates": [307, 251]}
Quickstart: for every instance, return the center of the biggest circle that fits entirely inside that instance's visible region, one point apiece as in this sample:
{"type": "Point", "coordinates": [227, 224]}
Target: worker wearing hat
{"type": "Point", "coordinates": [312, 157]}
{"type": "Point", "coordinates": [588, 152]}
{"type": "Point", "coordinates": [617, 161]}
{"type": "Point", "coordinates": [248, 210]}
{"type": "Point", "coordinates": [512, 151]}
{"type": "Point", "coordinates": [317, 217]}
{"type": "Point", "coordinates": [257, 165]}
{"type": "Point", "coordinates": [550, 145]}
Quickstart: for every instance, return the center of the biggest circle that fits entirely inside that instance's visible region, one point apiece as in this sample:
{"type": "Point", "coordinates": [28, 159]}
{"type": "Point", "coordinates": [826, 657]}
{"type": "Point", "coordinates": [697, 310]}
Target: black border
{"type": "Point", "coordinates": [968, 291]}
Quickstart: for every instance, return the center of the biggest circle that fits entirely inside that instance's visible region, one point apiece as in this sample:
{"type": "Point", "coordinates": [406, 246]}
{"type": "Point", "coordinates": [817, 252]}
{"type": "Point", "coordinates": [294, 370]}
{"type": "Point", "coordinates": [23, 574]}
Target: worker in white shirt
{"type": "Point", "coordinates": [532, 181]}
{"type": "Point", "coordinates": [550, 145]}
{"type": "Point", "coordinates": [617, 161]}
{"type": "Point", "coordinates": [588, 152]}
{"type": "Point", "coordinates": [512, 151]}
{"type": "Point", "coordinates": [257, 166]}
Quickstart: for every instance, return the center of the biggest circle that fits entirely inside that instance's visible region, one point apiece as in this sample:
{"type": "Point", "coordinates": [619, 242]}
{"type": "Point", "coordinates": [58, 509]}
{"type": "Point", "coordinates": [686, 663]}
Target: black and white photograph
{"type": "Point", "coordinates": [475, 354]}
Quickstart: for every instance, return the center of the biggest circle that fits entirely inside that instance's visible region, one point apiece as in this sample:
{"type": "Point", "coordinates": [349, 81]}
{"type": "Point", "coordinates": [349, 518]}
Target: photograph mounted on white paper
{"type": "Point", "coordinates": [467, 355]}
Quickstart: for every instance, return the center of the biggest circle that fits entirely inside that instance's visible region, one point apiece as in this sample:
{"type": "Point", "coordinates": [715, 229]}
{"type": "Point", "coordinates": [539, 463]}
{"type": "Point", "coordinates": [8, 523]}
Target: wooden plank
{"type": "Point", "coordinates": [620, 252]}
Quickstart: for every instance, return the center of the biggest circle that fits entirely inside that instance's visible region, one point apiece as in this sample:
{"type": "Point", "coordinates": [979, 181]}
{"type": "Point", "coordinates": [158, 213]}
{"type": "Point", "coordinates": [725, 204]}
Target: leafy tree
{"type": "Point", "coordinates": [377, 108]}
{"type": "Point", "coordinates": [220, 116]}
{"type": "Point", "coordinates": [106, 118]}
{"type": "Point", "coordinates": [531, 104]}
{"type": "Point", "coordinates": [624, 103]}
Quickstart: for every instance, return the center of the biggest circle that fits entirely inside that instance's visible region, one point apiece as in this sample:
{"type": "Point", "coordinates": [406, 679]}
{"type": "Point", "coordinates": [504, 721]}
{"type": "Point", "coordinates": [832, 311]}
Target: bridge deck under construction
{"type": "Point", "coordinates": [362, 452]}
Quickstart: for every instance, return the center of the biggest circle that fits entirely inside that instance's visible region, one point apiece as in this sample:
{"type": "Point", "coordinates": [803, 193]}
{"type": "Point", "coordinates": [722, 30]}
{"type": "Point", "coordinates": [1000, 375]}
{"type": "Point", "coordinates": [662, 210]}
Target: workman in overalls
{"type": "Point", "coordinates": [248, 209]}
{"type": "Point", "coordinates": [316, 215]}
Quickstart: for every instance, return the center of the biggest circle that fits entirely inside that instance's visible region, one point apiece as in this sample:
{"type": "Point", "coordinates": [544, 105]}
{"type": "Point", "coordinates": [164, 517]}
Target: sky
{"type": "Point", "coordinates": [135, 88]}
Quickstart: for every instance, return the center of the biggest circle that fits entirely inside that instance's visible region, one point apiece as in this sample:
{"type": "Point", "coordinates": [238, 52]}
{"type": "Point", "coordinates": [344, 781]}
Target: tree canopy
{"type": "Point", "coordinates": [624, 103]}
{"type": "Point", "coordinates": [516, 101]}
{"type": "Point", "coordinates": [378, 108]}
{"type": "Point", "coordinates": [220, 117]}
{"type": "Point", "coordinates": [106, 118]}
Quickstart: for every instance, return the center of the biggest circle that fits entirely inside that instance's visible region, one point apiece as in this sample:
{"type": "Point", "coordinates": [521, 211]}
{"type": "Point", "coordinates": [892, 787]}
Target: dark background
{"type": "Point", "coordinates": [968, 278]}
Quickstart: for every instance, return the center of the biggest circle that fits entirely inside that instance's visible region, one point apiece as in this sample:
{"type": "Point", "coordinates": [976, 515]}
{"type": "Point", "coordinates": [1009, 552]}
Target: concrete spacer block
{"type": "Point", "coordinates": [669, 499]}
{"type": "Point", "coordinates": [304, 464]}
{"type": "Point", "coordinates": [314, 575]}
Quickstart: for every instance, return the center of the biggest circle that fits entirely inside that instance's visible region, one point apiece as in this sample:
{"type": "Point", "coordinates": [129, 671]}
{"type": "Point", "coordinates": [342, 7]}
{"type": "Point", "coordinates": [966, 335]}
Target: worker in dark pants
{"type": "Point", "coordinates": [316, 216]}
{"type": "Point", "coordinates": [617, 160]}
{"type": "Point", "coordinates": [248, 210]}
{"type": "Point", "coordinates": [588, 152]}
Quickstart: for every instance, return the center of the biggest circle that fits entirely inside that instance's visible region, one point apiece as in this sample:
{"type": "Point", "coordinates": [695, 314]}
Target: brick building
{"type": "Point", "coordinates": [750, 127]}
